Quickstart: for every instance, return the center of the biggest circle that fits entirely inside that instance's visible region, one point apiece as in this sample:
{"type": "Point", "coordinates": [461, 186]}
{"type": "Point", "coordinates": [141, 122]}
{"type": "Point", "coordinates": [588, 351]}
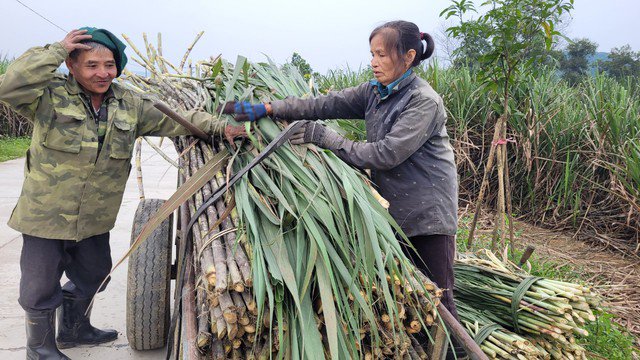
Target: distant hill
{"type": "Point", "coordinates": [598, 56]}
{"type": "Point", "coordinates": [593, 60]}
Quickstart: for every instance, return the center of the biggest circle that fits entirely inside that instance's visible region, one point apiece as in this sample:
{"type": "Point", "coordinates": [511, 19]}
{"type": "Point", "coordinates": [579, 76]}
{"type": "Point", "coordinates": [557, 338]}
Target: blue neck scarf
{"type": "Point", "coordinates": [385, 91]}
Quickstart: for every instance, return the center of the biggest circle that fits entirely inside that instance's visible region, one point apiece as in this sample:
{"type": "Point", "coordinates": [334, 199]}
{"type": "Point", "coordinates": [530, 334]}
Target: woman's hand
{"type": "Point", "coordinates": [316, 134]}
{"type": "Point", "coordinates": [73, 40]}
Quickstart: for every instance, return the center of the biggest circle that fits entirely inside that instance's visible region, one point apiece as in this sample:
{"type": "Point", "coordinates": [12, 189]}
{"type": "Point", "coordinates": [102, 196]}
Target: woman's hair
{"type": "Point", "coordinates": [402, 36]}
{"type": "Point", "coordinates": [94, 46]}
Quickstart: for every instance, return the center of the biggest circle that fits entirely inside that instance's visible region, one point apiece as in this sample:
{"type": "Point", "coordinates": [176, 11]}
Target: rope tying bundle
{"type": "Point", "coordinates": [518, 294]}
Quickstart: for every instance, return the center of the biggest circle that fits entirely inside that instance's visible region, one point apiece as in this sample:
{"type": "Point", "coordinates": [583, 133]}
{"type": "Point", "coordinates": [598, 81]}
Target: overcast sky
{"type": "Point", "coordinates": [328, 33]}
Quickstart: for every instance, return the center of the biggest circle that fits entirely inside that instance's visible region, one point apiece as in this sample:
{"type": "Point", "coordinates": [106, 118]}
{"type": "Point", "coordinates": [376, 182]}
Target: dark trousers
{"type": "Point", "coordinates": [43, 261]}
{"type": "Point", "coordinates": [435, 255]}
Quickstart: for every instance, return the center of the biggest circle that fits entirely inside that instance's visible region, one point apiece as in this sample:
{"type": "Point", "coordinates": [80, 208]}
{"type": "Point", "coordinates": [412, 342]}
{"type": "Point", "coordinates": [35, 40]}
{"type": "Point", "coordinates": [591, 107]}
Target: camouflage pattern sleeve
{"type": "Point", "coordinates": [27, 78]}
{"type": "Point", "coordinates": [152, 122]}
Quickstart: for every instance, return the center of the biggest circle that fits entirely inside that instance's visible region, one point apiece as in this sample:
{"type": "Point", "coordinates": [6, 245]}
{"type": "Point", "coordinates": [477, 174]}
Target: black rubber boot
{"type": "Point", "coordinates": [74, 327]}
{"type": "Point", "coordinates": [41, 342]}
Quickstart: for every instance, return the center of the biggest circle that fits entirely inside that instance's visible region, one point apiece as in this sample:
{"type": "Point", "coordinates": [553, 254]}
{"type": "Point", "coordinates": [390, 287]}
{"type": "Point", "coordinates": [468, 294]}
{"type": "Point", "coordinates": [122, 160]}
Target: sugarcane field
{"type": "Point", "coordinates": [356, 180]}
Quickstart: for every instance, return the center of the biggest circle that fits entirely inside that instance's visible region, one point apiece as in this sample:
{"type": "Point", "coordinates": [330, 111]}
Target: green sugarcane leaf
{"type": "Point", "coordinates": [230, 85]}
{"type": "Point", "coordinates": [269, 233]}
{"type": "Point", "coordinates": [295, 336]}
{"type": "Point", "coordinates": [263, 206]}
{"type": "Point", "coordinates": [328, 309]}
{"type": "Point", "coordinates": [283, 263]}
{"type": "Point", "coordinates": [312, 255]}
{"type": "Point", "coordinates": [311, 343]}
{"type": "Point", "coordinates": [380, 263]}
{"type": "Point", "coordinates": [281, 338]}
{"type": "Point", "coordinates": [269, 184]}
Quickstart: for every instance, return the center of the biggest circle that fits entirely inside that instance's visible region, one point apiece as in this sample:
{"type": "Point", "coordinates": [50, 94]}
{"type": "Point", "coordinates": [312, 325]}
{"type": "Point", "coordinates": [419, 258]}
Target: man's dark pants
{"type": "Point", "coordinates": [43, 261]}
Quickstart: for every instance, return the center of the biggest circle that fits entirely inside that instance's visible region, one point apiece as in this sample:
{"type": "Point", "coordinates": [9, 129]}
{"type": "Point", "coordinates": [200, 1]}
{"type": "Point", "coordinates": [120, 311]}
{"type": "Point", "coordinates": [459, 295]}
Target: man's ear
{"type": "Point", "coordinates": [69, 62]}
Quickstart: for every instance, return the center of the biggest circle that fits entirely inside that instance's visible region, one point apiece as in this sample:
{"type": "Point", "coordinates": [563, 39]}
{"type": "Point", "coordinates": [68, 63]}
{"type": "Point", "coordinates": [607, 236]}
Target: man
{"type": "Point", "coordinates": [75, 174]}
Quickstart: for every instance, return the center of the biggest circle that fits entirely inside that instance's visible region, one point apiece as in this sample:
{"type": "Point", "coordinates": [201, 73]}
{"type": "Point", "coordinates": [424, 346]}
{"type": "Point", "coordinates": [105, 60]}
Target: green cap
{"type": "Point", "coordinates": [106, 38]}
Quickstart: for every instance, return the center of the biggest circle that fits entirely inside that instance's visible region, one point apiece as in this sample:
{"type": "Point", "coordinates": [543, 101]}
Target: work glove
{"type": "Point", "coordinates": [316, 134]}
{"type": "Point", "coordinates": [244, 111]}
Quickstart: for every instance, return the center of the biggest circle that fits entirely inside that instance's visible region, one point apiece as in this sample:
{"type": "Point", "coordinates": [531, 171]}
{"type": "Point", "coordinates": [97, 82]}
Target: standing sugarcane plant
{"type": "Point", "coordinates": [514, 31]}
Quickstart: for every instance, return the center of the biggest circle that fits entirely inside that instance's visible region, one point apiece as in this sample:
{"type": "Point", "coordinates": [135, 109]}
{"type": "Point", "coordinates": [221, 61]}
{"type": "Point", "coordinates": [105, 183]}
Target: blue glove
{"type": "Point", "coordinates": [244, 111]}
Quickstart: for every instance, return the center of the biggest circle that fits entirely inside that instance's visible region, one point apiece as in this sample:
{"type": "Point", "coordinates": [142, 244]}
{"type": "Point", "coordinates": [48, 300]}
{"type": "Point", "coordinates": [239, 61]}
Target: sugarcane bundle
{"type": "Point", "coordinates": [299, 260]}
{"type": "Point", "coordinates": [493, 338]}
{"type": "Point", "coordinates": [547, 312]}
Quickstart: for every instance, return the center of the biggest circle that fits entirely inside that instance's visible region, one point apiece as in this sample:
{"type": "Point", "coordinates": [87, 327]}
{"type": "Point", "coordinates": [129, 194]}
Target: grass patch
{"type": "Point", "coordinates": [12, 148]}
{"type": "Point", "coordinates": [606, 340]}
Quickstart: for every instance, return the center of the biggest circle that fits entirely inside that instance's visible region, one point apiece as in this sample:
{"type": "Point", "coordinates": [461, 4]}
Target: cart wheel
{"type": "Point", "coordinates": [148, 282]}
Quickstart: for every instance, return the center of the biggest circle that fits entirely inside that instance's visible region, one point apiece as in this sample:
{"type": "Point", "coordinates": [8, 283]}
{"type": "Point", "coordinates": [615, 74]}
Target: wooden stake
{"type": "Point", "coordinates": [498, 233]}
{"type": "Point", "coordinates": [485, 182]}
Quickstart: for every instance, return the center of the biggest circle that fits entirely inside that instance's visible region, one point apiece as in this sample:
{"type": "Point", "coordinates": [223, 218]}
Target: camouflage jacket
{"type": "Point", "coordinates": [71, 191]}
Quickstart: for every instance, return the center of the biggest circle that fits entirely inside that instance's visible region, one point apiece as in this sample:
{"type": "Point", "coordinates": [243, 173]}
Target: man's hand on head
{"type": "Point", "coordinates": [73, 40]}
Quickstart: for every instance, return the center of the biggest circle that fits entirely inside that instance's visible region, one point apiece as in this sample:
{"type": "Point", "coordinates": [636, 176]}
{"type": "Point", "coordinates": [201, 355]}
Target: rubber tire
{"type": "Point", "coordinates": [149, 281]}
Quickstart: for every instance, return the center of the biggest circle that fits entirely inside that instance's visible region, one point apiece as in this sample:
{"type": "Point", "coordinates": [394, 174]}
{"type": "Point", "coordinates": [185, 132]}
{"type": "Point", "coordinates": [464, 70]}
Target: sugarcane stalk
{"type": "Point", "coordinates": [418, 348]}
{"type": "Point", "coordinates": [162, 153]}
{"type": "Point", "coordinates": [239, 254]}
{"type": "Point", "coordinates": [472, 349]}
{"type": "Point", "coordinates": [250, 303]}
{"type": "Point", "coordinates": [240, 332]}
{"type": "Point", "coordinates": [237, 259]}
{"type": "Point", "coordinates": [236, 354]}
{"type": "Point", "coordinates": [139, 168]}
{"type": "Point", "coordinates": [484, 184]}
{"type": "Point", "coordinates": [488, 351]}
{"type": "Point", "coordinates": [413, 354]}
{"type": "Point", "coordinates": [232, 331]}
{"type": "Point", "coordinates": [413, 325]}
{"type": "Point", "coordinates": [186, 54]}
{"type": "Point", "coordinates": [497, 350]}
{"type": "Point", "coordinates": [205, 256]}
{"type": "Point", "coordinates": [217, 350]}
{"type": "Point", "coordinates": [504, 346]}
{"type": "Point", "coordinates": [219, 261]}
{"type": "Point", "coordinates": [217, 248]}
{"type": "Point", "coordinates": [499, 229]}
{"type": "Point", "coordinates": [228, 308]}
{"type": "Point", "coordinates": [229, 242]}
{"type": "Point", "coordinates": [146, 64]}
{"type": "Point", "coordinates": [218, 323]}
{"type": "Point", "coordinates": [203, 340]}
{"type": "Point", "coordinates": [190, 322]}
{"type": "Point", "coordinates": [239, 306]}
{"type": "Point", "coordinates": [249, 328]}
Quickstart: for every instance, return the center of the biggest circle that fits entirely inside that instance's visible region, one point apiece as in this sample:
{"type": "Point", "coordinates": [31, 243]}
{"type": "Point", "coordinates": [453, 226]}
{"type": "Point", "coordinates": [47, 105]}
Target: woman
{"type": "Point", "coordinates": [407, 148]}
